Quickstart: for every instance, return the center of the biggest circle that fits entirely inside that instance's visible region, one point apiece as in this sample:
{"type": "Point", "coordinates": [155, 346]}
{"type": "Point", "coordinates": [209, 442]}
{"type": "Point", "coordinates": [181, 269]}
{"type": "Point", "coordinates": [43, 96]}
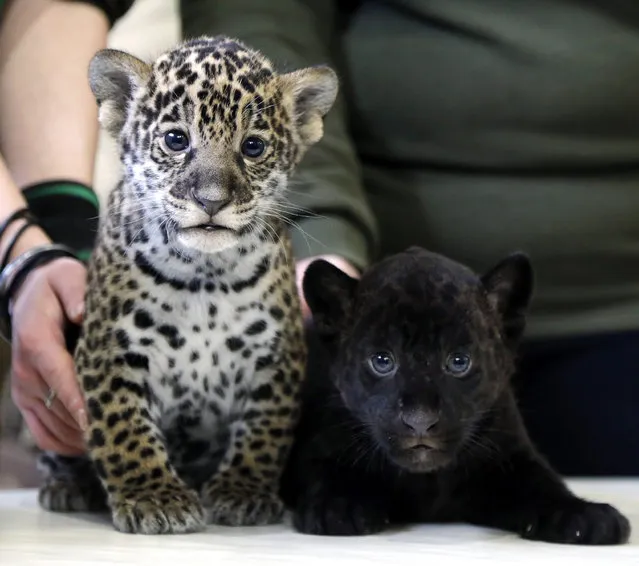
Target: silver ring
{"type": "Point", "coordinates": [50, 398]}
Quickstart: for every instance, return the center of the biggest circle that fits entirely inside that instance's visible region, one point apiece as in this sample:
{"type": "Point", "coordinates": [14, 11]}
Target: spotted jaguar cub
{"type": "Point", "coordinates": [191, 354]}
{"type": "Point", "coordinates": [415, 420]}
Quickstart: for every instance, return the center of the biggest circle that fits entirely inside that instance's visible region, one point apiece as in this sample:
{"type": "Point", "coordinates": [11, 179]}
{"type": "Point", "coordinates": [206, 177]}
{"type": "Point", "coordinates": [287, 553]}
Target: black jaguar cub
{"type": "Point", "coordinates": [417, 421]}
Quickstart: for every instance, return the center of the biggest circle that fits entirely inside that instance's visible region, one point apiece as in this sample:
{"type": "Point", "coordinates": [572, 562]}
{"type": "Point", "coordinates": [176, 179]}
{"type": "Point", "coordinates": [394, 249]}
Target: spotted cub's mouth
{"type": "Point", "coordinates": [206, 237]}
{"type": "Point", "coordinates": [207, 227]}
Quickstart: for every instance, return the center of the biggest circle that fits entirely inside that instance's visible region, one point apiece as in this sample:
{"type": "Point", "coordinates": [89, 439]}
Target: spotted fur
{"type": "Point", "coordinates": [191, 354]}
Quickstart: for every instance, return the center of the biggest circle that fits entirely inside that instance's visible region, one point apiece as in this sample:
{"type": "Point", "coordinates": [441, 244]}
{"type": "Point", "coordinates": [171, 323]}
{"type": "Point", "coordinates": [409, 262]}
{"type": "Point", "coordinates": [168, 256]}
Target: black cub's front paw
{"type": "Point", "coordinates": [577, 522]}
{"type": "Point", "coordinates": [337, 515]}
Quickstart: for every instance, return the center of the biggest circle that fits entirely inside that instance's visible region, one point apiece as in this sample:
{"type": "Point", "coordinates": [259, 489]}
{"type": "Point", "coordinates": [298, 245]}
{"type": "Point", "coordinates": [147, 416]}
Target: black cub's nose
{"type": "Point", "coordinates": [419, 423]}
{"type": "Point", "coordinates": [211, 207]}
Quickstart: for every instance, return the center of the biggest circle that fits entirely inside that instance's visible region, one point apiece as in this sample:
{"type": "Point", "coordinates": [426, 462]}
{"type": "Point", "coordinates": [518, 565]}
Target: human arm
{"type": "Point", "coordinates": [48, 131]}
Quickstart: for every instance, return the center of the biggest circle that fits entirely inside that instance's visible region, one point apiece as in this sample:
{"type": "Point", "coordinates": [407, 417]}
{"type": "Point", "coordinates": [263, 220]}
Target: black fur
{"type": "Point", "coordinates": [426, 442]}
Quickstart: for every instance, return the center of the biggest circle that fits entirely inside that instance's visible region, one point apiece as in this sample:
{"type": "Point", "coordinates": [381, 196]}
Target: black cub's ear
{"type": "Point", "coordinates": [329, 293]}
{"type": "Point", "coordinates": [510, 286]}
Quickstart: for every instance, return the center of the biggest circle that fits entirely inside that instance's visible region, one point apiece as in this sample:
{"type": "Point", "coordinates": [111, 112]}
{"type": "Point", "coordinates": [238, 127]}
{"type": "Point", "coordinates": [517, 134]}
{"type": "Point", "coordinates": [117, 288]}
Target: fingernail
{"type": "Point", "coordinates": [82, 420]}
{"type": "Point", "coordinates": [78, 311]}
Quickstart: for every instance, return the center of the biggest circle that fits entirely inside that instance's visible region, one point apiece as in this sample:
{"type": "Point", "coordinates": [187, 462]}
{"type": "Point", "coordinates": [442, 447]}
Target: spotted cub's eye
{"type": "Point", "coordinates": [176, 140]}
{"type": "Point", "coordinates": [253, 147]}
{"type": "Point", "coordinates": [382, 363]}
{"type": "Point", "coordinates": [458, 364]}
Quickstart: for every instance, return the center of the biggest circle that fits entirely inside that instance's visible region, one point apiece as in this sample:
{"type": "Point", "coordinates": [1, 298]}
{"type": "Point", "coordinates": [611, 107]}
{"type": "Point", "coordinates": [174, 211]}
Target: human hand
{"type": "Point", "coordinates": [50, 297]}
{"type": "Point", "coordinates": [302, 265]}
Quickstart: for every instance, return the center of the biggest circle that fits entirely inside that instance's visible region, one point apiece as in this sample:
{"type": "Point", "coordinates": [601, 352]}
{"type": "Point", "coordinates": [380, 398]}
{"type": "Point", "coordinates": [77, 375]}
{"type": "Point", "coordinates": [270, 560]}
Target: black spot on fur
{"type": "Point", "coordinates": [159, 279]}
{"type": "Point", "coordinates": [127, 307]}
{"type": "Point", "coordinates": [142, 319]}
{"type": "Point", "coordinates": [260, 271]}
{"type": "Point", "coordinates": [136, 361]}
{"type": "Point", "coordinates": [172, 336]}
{"type": "Point", "coordinates": [263, 362]}
{"type": "Point", "coordinates": [97, 438]}
{"type": "Point", "coordinates": [90, 382]}
{"type": "Point", "coordinates": [106, 397]}
{"type": "Point", "coordinates": [234, 343]}
{"type": "Point", "coordinates": [277, 313]}
{"type": "Point", "coordinates": [257, 327]}
{"type": "Point", "coordinates": [95, 409]}
{"type": "Point", "coordinates": [262, 393]}
{"type": "Point", "coordinates": [122, 339]}
{"type": "Point", "coordinates": [147, 453]}
{"type": "Point", "coordinates": [121, 437]}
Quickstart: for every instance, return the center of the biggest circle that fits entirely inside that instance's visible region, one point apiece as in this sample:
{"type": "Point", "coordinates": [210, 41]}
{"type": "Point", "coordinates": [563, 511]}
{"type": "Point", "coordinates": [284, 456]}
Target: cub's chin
{"type": "Point", "coordinates": [207, 239]}
{"type": "Point", "coordinates": [420, 459]}
{"type": "Point", "coordinates": [417, 455]}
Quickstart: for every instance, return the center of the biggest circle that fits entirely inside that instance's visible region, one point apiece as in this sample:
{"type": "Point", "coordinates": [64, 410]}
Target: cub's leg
{"type": "Point", "coordinates": [332, 500]}
{"type": "Point", "coordinates": [144, 491]}
{"type": "Point", "coordinates": [332, 483]}
{"type": "Point", "coordinates": [244, 490]}
{"type": "Point", "coordinates": [525, 496]}
{"type": "Point", "coordinates": [70, 484]}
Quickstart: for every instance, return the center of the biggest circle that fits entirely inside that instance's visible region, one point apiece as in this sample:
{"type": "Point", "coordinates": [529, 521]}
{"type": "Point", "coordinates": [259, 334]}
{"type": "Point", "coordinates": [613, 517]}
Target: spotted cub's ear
{"type": "Point", "coordinates": [115, 77]}
{"type": "Point", "coordinates": [329, 293]}
{"type": "Point", "coordinates": [510, 286]}
{"type": "Point", "coordinates": [311, 93]}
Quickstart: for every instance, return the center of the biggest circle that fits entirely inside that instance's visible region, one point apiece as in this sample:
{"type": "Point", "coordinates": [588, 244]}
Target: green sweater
{"type": "Point", "coordinates": [473, 128]}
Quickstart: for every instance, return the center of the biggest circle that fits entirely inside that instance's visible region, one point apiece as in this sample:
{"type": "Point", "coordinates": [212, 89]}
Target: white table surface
{"type": "Point", "coordinates": [29, 535]}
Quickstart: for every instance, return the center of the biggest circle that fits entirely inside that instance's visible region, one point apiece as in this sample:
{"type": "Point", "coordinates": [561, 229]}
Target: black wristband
{"type": "Point", "coordinates": [67, 211]}
{"type": "Point", "coordinates": [17, 271]}
{"type": "Point", "coordinates": [17, 215]}
{"type": "Point", "coordinates": [12, 244]}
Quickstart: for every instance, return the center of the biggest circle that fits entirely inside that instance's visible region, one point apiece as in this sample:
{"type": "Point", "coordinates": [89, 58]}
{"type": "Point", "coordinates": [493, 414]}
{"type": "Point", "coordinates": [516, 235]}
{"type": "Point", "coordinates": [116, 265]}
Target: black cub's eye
{"type": "Point", "coordinates": [176, 140]}
{"type": "Point", "coordinates": [253, 147]}
{"type": "Point", "coordinates": [382, 363]}
{"type": "Point", "coordinates": [458, 364]}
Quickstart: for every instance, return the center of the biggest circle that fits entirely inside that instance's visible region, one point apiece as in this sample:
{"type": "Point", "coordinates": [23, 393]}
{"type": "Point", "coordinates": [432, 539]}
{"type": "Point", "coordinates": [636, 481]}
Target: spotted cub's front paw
{"type": "Point", "coordinates": [579, 522]}
{"type": "Point", "coordinates": [236, 507]}
{"type": "Point", "coordinates": [172, 509]}
{"type": "Point", "coordinates": [337, 515]}
{"type": "Point", "coordinates": [66, 495]}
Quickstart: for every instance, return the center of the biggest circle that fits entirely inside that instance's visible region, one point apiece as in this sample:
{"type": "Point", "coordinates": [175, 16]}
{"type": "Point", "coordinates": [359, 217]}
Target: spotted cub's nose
{"type": "Point", "coordinates": [211, 207]}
